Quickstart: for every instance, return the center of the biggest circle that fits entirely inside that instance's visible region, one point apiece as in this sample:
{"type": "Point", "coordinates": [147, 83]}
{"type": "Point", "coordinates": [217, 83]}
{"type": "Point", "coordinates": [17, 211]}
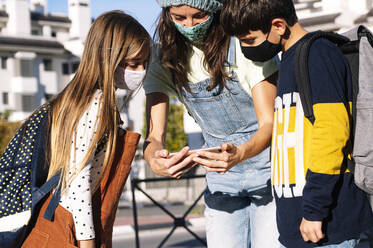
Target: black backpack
{"type": "Point", "coordinates": [357, 47]}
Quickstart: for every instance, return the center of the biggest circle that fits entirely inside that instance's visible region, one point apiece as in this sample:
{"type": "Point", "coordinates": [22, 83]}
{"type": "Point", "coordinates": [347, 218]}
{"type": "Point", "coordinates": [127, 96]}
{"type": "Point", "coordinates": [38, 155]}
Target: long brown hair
{"type": "Point", "coordinates": [113, 38]}
{"type": "Point", "coordinates": [174, 49]}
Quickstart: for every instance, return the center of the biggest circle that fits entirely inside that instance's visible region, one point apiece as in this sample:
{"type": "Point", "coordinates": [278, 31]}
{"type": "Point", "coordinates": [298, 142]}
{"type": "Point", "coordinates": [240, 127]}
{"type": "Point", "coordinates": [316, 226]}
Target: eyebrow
{"type": "Point", "coordinates": [136, 60]}
{"type": "Point", "coordinates": [195, 14]}
{"type": "Point", "coordinates": [179, 15]}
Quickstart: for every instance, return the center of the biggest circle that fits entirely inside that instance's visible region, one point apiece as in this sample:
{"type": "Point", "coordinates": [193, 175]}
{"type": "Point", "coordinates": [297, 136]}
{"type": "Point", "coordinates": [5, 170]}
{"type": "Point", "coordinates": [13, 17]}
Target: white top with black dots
{"type": "Point", "coordinates": [77, 198]}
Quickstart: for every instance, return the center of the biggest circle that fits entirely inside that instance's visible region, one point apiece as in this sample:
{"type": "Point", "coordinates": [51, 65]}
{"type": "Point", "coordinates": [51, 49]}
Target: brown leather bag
{"type": "Point", "coordinates": [60, 233]}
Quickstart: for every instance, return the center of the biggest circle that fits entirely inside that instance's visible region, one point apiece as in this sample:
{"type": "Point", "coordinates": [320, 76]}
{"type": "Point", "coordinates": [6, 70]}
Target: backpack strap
{"type": "Point", "coordinates": [46, 188]}
{"type": "Point", "coordinates": [55, 200]}
{"type": "Point", "coordinates": [302, 77]}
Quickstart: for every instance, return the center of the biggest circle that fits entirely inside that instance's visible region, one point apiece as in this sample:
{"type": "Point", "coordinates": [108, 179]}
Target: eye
{"type": "Point", "coordinates": [133, 65]}
{"type": "Point", "coordinates": [178, 17]}
{"type": "Point", "coordinates": [249, 41]}
{"type": "Point", "coordinates": [200, 15]}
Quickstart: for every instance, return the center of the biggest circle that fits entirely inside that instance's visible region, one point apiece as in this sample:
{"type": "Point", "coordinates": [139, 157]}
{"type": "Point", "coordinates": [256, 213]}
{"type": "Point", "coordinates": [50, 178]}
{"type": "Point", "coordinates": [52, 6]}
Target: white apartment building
{"type": "Point", "coordinates": [39, 52]}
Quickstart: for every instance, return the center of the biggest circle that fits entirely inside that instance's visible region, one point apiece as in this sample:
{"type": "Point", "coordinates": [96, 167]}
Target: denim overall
{"type": "Point", "coordinates": [239, 204]}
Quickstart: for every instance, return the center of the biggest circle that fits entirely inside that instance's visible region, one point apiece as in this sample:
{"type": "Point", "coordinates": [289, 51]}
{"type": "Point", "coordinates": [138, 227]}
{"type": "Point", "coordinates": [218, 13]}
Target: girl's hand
{"type": "Point", "coordinates": [220, 162]}
{"type": "Point", "coordinates": [174, 166]}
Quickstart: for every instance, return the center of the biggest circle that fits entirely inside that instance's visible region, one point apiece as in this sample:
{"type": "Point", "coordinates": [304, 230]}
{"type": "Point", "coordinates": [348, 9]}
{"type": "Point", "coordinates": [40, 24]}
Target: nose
{"type": "Point", "coordinates": [188, 22]}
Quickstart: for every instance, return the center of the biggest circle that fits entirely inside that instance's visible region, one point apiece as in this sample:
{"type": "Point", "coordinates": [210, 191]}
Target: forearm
{"type": "Point", "coordinates": [257, 143]}
{"type": "Point", "coordinates": [156, 118]}
{"type": "Point", "coordinates": [87, 243]}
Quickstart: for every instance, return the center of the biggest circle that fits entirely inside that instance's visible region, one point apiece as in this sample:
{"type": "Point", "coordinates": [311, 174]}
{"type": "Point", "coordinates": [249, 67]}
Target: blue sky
{"type": "Point", "coordinates": [145, 11]}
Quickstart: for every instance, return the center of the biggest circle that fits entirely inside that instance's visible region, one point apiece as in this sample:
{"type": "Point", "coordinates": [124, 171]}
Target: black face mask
{"type": "Point", "coordinates": [263, 52]}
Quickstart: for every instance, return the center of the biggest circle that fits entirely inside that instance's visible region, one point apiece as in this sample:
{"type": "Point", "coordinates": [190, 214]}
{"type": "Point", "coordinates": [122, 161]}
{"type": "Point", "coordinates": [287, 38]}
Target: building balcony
{"type": "Point", "coordinates": [24, 85]}
{"type": "Point", "coordinates": [49, 80]}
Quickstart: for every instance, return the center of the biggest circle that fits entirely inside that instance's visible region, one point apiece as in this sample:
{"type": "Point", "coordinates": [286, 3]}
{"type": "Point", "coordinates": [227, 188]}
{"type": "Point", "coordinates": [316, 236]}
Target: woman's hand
{"type": "Point", "coordinates": [174, 166]}
{"type": "Point", "coordinates": [220, 162]}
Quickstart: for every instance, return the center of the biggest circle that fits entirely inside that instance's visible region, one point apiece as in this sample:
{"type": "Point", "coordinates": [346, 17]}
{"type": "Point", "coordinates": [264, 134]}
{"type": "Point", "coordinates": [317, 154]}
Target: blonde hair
{"type": "Point", "coordinates": [113, 38]}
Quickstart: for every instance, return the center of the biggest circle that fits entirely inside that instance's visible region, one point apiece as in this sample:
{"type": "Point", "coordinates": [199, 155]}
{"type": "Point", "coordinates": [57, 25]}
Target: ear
{"type": "Point", "coordinates": [279, 26]}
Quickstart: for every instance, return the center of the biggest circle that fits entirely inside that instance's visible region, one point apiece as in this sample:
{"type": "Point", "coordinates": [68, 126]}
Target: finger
{"type": "Point", "coordinates": [184, 170]}
{"type": "Point", "coordinates": [319, 234]}
{"type": "Point", "coordinates": [304, 236]}
{"type": "Point", "coordinates": [219, 156]}
{"type": "Point", "coordinates": [303, 232]}
{"type": "Point", "coordinates": [211, 163]}
{"type": "Point", "coordinates": [182, 165]}
{"type": "Point", "coordinates": [313, 237]}
{"type": "Point", "coordinates": [161, 153]}
{"type": "Point", "coordinates": [227, 147]}
{"type": "Point", "coordinates": [178, 156]}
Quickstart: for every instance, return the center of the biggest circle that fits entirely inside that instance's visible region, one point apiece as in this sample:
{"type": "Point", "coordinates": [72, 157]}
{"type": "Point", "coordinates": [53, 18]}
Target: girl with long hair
{"type": "Point", "coordinates": [116, 55]}
{"type": "Point", "coordinates": [232, 99]}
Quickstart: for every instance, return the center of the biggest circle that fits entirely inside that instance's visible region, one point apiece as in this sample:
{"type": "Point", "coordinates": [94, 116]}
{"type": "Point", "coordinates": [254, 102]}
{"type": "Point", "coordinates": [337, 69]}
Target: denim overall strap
{"type": "Point", "coordinates": [231, 58]}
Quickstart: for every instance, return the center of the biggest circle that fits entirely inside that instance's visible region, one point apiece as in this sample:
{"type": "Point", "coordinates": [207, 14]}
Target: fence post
{"type": "Point", "coordinates": [134, 207]}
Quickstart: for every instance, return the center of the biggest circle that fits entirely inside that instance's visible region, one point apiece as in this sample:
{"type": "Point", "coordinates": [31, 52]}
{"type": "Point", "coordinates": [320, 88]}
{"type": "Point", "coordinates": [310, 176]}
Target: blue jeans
{"type": "Point", "coordinates": [352, 243]}
{"type": "Point", "coordinates": [240, 221]}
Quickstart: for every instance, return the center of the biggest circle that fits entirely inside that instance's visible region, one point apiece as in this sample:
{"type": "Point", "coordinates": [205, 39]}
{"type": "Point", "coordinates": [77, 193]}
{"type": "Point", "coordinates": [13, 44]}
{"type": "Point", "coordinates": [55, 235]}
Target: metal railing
{"type": "Point", "coordinates": [178, 221]}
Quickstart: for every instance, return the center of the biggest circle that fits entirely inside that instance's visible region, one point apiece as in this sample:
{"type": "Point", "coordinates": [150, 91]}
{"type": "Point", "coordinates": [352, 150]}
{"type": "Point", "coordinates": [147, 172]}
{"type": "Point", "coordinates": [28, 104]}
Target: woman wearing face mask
{"type": "Point", "coordinates": [232, 100]}
{"type": "Point", "coordinates": [84, 114]}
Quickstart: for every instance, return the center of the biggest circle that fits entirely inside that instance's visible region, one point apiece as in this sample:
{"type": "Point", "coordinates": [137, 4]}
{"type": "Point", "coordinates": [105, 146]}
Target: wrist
{"type": "Point", "coordinates": [241, 153]}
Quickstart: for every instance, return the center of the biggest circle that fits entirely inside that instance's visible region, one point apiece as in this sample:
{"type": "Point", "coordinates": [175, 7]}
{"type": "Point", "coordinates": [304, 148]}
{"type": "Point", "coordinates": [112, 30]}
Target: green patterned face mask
{"type": "Point", "coordinates": [197, 33]}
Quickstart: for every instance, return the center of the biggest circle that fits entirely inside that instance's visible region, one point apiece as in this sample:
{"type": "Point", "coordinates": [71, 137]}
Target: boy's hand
{"type": "Point", "coordinates": [311, 230]}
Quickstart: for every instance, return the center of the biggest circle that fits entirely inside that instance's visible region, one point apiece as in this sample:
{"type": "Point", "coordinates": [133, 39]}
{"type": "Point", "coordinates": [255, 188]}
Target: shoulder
{"type": "Point", "coordinates": [323, 50]}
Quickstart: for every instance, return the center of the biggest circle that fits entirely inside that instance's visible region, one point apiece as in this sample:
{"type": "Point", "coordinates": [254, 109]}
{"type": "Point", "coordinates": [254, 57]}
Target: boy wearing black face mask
{"type": "Point", "coordinates": [317, 201]}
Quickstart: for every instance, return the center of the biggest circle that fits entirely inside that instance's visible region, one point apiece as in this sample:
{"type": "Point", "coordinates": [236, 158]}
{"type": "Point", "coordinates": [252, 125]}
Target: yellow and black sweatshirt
{"type": "Point", "coordinates": [309, 175]}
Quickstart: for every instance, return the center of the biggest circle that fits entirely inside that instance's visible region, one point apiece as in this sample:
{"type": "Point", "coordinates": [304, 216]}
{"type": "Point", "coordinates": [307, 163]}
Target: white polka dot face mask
{"type": "Point", "coordinates": [128, 79]}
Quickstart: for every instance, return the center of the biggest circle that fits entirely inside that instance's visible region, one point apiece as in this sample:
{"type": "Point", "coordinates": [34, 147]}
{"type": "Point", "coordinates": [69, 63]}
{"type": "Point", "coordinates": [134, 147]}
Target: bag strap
{"type": "Point", "coordinates": [46, 188]}
{"type": "Point", "coordinates": [302, 77]}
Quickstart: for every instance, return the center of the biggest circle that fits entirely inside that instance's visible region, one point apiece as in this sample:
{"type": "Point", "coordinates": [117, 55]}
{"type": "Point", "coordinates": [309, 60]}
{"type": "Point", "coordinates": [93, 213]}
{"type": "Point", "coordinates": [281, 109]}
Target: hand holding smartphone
{"type": "Point", "coordinates": [216, 149]}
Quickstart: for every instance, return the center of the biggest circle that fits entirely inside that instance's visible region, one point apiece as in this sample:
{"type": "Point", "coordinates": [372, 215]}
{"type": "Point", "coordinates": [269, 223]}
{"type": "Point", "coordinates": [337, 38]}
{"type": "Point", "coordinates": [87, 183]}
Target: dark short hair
{"type": "Point", "coordinates": [238, 17]}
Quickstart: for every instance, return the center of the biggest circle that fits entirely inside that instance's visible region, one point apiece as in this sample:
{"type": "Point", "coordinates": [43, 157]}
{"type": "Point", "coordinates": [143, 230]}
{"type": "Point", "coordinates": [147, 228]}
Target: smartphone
{"type": "Point", "coordinates": [210, 149]}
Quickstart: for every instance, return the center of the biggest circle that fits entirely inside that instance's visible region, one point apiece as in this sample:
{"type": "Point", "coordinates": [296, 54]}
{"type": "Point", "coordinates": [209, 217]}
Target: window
{"type": "Point", "coordinates": [54, 34]}
{"type": "Point", "coordinates": [75, 66]}
{"type": "Point", "coordinates": [48, 96]}
{"type": "Point", "coordinates": [26, 68]}
{"type": "Point", "coordinates": [5, 98]}
{"type": "Point", "coordinates": [3, 62]}
{"type": "Point", "coordinates": [47, 64]}
{"type": "Point", "coordinates": [28, 102]}
{"type": "Point", "coordinates": [65, 69]}
{"type": "Point", "coordinates": [35, 32]}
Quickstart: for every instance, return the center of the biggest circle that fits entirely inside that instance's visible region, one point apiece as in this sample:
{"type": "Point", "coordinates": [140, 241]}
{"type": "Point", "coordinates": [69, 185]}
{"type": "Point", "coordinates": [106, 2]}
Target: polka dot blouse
{"type": "Point", "coordinates": [77, 198]}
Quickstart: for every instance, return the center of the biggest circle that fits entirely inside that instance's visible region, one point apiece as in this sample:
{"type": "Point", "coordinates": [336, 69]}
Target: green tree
{"type": "Point", "coordinates": [176, 139]}
{"type": "Point", "coordinates": [7, 131]}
